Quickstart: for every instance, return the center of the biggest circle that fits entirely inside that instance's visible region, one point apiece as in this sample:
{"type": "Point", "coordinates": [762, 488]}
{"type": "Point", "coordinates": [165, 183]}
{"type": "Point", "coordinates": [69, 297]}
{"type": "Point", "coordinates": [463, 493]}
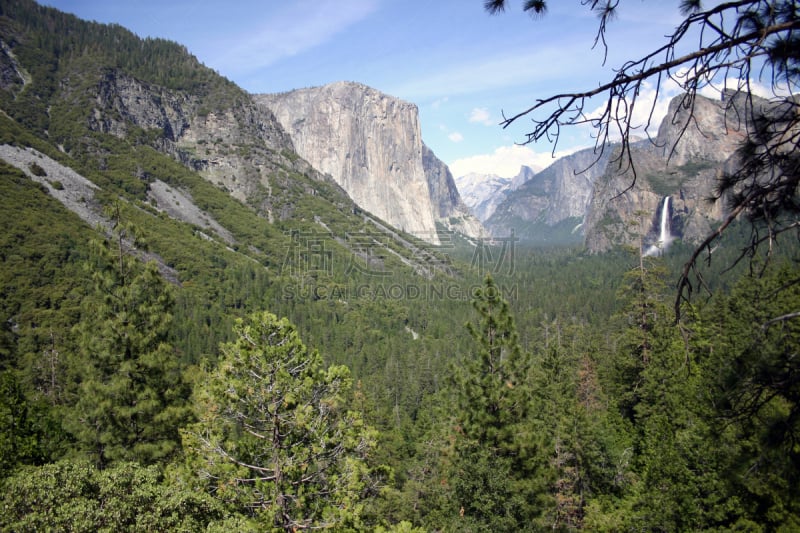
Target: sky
{"type": "Point", "coordinates": [462, 67]}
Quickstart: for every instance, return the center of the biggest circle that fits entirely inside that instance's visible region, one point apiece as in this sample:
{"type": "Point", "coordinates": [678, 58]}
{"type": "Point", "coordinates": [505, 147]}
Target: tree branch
{"type": "Point", "coordinates": [626, 79]}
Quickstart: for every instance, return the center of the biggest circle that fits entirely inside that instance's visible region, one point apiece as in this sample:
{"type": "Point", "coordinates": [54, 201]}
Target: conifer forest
{"type": "Point", "coordinates": [308, 368]}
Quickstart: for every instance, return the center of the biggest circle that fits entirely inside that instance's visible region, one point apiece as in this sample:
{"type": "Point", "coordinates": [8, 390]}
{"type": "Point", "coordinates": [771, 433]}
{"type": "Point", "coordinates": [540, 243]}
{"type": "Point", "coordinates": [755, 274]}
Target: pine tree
{"type": "Point", "coordinates": [21, 424]}
{"type": "Point", "coordinates": [131, 398]}
{"type": "Point", "coordinates": [657, 391]}
{"type": "Point", "coordinates": [275, 436]}
{"type": "Point", "coordinates": [556, 383]}
{"type": "Point", "coordinates": [643, 311]}
{"type": "Point", "coordinates": [497, 480]}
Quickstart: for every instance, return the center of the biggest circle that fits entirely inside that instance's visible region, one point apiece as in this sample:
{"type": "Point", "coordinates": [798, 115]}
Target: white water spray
{"type": "Point", "coordinates": [665, 238]}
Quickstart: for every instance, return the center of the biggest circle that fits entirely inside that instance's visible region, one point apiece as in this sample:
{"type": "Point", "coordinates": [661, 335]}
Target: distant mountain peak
{"type": "Point", "coordinates": [482, 192]}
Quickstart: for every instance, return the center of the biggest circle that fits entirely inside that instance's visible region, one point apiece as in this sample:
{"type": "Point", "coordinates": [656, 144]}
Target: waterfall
{"type": "Point", "coordinates": [664, 235]}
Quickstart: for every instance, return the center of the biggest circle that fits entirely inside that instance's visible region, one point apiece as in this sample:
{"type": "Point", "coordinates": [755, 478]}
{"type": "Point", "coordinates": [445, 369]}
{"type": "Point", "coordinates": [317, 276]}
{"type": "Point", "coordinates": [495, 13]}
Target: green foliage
{"type": "Point", "coordinates": [61, 37]}
{"type": "Point", "coordinates": [40, 252]}
{"type": "Point", "coordinates": [537, 233]}
{"type": "Point", "coordinates": [76, 496]}
{"type": "Point", "coordinates": [497, 479]}
{"type": "Point", "coordinates": [588, 410]}
{"type": "Point", "coordinates": [131, 399]}
{"type": "Point", "coordinates": [402, 527]}
{"type": "Point", "coordinates": [493, 382]}
{"type": "Point", "coordinates": [275, 435]}
{"type": "Point", "coordinates": [37, 170]}
{"type": "Point", "coordinates": [751, 369]}
{"type": "Point", "coordinates": [19, 435]}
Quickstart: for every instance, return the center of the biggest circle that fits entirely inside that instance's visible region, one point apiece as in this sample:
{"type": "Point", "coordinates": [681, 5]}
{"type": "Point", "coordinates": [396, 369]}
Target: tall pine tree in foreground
{"type": "Point", "coordinates": [498, 477]}
{"type": "Point", "coordinates": [275, 436]}
{"type": "Point", "coordinates": [131, 398]}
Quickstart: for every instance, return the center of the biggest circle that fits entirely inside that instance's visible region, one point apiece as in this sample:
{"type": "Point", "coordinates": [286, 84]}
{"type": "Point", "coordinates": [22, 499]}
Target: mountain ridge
{"type": "Point", "coordinates": [142, 119]}
{"type": "Point", "coordinates": [544, 199]}
{"type": "Point", "coordinates": [587, 193]}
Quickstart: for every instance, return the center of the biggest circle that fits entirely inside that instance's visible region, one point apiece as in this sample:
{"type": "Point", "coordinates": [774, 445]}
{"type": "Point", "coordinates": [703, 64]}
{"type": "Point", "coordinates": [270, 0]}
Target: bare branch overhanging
{"type": "Point", "coordinates": [747, 40]}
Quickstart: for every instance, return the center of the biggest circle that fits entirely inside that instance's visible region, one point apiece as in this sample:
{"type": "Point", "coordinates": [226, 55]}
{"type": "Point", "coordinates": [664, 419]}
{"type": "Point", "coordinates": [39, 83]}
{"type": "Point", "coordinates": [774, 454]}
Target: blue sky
{"type": "Point", "coordinates": [460, 65]}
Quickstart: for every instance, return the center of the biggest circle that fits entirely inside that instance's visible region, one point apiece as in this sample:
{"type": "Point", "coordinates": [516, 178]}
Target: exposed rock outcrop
{"type": "Point", "coordinates": [370, 143]}
{"type": "Point", "coordinates": [239, 148]}
{"type": "Point", "coordinates": [449, 209]}
{"type": "Point", "coordinates": [684, 162]}
{"type": "Point", "coordinates": [557, 193]}
{"type": "Point", "coordinates": [75, 192]}
{"type": "Point", "coordinates": [180, 206]}
{"type": "Point", "coordinates": [13, 76]}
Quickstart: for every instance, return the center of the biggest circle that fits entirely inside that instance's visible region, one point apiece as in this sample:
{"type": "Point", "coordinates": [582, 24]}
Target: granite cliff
{"type": "Point", "coordinates": [587, 191]}
{"type": "Point", "coordinates": [537, 201]}
{"type": "Point", "coordinates": [448, 207]}
{"type": "Point", "coordinates": [96, 114]}
{"type": "Point", "coordinates": [684, 163]}
{"type": "Point", "coordinates": [483, 192]}
{"type": "Point", "coordinates": [371, 144]}
{"type": "Point", "coordinates": [239, 147]}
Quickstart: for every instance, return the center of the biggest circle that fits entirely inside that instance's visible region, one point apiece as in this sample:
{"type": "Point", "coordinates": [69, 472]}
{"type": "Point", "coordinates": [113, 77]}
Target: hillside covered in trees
{"type": "Point", "coordinates": [284, 361]}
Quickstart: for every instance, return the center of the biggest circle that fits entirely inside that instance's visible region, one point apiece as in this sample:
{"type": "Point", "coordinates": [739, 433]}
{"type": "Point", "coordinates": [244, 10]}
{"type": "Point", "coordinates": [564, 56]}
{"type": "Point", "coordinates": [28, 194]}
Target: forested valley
{"type": "Point", "coordinates": [156, 378]}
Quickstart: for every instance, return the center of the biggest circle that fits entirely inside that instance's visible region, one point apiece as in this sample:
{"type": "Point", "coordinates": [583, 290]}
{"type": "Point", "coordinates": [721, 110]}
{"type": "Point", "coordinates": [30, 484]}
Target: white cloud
{"type": "Point", "coordinates": [650, 108]}
{"type": "Point", "coordinates": [714, 90]}
{"type": "Point", "coordinates": [505, 161]}
{"type": "Point", "coordinates": [481, 115]}
{"type": "Point", "coordinates": [456, 137]}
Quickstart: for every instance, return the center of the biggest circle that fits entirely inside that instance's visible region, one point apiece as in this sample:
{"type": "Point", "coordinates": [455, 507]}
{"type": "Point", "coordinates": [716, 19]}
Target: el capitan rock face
{"type": "Point", "coordinates": [370, 143]}
{"type": "Point", "coordinates": [367, 142]}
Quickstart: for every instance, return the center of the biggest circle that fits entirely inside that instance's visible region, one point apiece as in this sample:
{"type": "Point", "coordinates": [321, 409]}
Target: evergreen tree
{"type": "Point", "coordinates": [498, 479]}
{"type": "Point", "coordinates": [556, 383]}
{"type": "Point", "coordinates": [673, 485]}
{"type": "Point", "coordinates": [750, 346]}
{"type": "Point", "coordinates": [275, 436]}
{"type": "Point", "coordinates": [642, 313]}
{"type": "Point", "coordinates": [131, 398]}
{"type": "Point", "coordinates": [20, 438]}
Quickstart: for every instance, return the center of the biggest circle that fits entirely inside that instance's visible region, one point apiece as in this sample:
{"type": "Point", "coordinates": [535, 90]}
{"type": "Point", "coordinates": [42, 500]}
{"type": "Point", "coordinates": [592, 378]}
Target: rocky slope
{"type": "Point", "coordinates": [78, 194]}
{"type": "Point", "coordinates": [448, 207]}
{"type": "Point", "coordinates": [557, 193]}
{"type": "Point", "coordinates": [683, 163]}
{"type": "Point", "coordinates": [370, 143]}
{"type": "Point", "coordinates": [240, 147]}
{"type": "Point", "coordinates": [67, 186]}
{"type": "Point", "coordinates": [115, 117]}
